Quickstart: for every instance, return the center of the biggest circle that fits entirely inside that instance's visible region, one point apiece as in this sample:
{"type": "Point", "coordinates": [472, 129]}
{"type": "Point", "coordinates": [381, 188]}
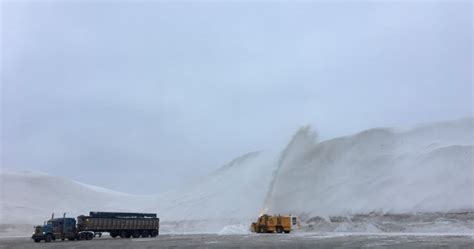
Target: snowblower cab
{"type": "Point", "coordinates": [275, 224]}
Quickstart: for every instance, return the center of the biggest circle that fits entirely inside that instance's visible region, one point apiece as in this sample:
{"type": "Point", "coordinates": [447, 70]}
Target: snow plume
{"type": "Point", "coordinates": [235, 229]}
{"type": "Point", "coordinates": [303, 140]}
{"type": "Point", "coordinates": [235, 191]}
{"type": "Point", "coordinates": [425, 169]}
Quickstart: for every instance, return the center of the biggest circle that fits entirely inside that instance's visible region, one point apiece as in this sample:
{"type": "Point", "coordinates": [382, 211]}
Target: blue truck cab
{"type": "Point", "coordinates": [60, 228]}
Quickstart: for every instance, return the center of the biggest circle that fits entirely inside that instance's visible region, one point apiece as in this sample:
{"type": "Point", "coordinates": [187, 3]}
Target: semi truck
{"type": "Point", "coordinates": [117, 224]}
{"type": "Point", "coordinates": [275, 224]}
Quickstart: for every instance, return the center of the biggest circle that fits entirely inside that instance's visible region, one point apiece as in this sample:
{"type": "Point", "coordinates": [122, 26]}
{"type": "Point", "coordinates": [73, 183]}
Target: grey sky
{"type": "Point", "coordinates": [149, 95]}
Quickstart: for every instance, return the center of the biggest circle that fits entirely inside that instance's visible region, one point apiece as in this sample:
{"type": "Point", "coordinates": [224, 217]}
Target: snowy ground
{"type": "Point", "coordinates": [334, 240]}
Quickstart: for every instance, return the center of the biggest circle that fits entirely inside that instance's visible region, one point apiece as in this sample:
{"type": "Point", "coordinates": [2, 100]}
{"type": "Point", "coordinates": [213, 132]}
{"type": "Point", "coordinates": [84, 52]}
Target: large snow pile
{"type": "Point", "coordinates": [429, 168]}
{"type": "Point", "coordinates": [31, 197]}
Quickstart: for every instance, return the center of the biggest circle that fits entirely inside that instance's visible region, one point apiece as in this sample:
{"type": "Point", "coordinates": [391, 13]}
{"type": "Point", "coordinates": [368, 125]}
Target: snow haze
{"type": "Point", "coordinates": [146, 97]}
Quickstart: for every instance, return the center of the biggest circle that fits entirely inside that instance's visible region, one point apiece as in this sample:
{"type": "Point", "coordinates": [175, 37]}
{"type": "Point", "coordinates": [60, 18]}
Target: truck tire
{"type": "Point", "coordinates": [81, 236]}
{"type": "Point", "coordinates": [123, 234]}
{"type": "Point", "coordinates": [71, 238]}
{"type": "Point", "coordinates": [279, 230]}
{"type": "Point", "coordinates": [135, 234]}
{"type": "Point", "coordinates": [154, 233]}
{"type": "Point", "coordinates": [145, 234]}
{"type": "Point", "coordinates": [113, 234]}
{"type": "Point", "coordinates": [37, 240]}
{"type": "Point", "coordinates": [48, 238]}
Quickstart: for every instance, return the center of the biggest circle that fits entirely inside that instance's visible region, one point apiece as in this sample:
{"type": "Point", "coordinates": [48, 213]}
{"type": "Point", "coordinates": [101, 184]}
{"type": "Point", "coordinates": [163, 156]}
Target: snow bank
{"type": "Point", "coordinates": [455, 223]}
{"type": "Point", "coordinates": [426, 169]}
{"type": "Point", "coordinates": [30, 198]}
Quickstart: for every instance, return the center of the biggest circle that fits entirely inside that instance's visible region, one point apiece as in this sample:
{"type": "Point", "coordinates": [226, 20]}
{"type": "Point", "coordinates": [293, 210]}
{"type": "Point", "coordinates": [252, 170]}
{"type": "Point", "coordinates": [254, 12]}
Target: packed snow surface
{"type": "Point", "coordinates": [346, 184]}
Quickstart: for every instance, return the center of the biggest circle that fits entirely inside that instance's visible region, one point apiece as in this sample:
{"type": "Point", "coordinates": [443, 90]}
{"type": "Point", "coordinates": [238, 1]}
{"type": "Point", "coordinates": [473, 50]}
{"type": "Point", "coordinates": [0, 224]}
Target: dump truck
{"type": "Point", "coordinates": [123, 225]}
{"type": "Point", "coordinates": [275, 224]}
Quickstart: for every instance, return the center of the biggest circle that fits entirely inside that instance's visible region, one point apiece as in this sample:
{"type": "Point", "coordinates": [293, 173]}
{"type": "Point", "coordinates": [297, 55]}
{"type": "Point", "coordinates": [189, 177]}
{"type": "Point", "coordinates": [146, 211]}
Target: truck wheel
{"type": "Point", "coordinates": [262, 230]}
{"type": "Point", "coordinates": [48, 238]}
{"type": "Point", "coordinates": [154, 233]}
{"type": "Point", "coordinates": [135, 234]}
{"type": "Point", "coordinates": [145, 234]}
{"type": "Point", "coordinates": [113, 235]}
{"type": "Point", "coordinates": [37, 240]}
{"type": "Point", "coordinates": [123, 234]}
{"type": "Point", "coordinates": [71, 238]}
{"type": "Point", "coordinates": [287, 231]}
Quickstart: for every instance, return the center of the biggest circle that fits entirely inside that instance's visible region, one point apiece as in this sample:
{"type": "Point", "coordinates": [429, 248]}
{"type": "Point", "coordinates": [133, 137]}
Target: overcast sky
{"type": "Point", "coordinates": [142, 97]}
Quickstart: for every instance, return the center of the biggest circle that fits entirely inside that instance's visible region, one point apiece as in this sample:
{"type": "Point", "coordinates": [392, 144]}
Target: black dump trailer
{"type": "Point", "coordinates": [125, 225]}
